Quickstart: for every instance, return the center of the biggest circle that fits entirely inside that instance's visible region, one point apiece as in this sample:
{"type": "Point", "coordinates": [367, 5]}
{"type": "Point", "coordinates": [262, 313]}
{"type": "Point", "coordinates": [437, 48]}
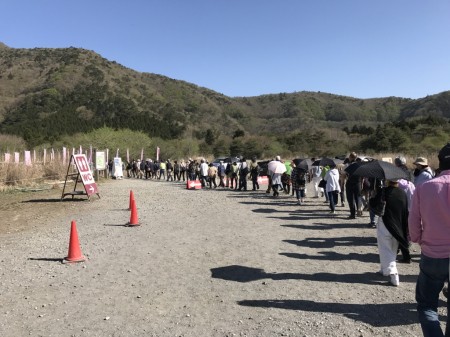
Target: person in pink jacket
{"type": "Point", "coordinates": [429, 226]}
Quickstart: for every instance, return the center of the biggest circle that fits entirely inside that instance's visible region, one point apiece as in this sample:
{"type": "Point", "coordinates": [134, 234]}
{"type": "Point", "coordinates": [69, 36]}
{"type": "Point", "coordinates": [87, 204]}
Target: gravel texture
{"type": "Point", "coordinates": [201, 263]}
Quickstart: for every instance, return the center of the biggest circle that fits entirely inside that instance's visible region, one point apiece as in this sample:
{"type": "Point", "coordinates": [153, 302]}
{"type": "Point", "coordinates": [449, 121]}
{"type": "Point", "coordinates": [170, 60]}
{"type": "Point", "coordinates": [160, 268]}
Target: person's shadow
{"type": "Point", "coordinates": [377, 315]}
{"type": "Point", "coordinates": [248, 274]}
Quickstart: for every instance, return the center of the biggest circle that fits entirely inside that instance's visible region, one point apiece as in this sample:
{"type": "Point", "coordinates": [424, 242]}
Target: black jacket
{"type": "Point", "coordinates": [395, 216]}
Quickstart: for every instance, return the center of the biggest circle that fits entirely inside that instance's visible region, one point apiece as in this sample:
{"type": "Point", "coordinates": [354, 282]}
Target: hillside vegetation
{"type": "Point", "coordinates": [48, 94]}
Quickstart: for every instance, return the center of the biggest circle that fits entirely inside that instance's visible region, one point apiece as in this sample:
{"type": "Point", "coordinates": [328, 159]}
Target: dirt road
{"type": "Point", "coordinates": [201, 263]}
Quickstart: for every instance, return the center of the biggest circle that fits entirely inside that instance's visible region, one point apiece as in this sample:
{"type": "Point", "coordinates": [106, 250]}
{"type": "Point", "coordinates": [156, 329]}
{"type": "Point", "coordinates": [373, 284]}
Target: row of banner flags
{"type": "Point", "coordinates": [50, 155]}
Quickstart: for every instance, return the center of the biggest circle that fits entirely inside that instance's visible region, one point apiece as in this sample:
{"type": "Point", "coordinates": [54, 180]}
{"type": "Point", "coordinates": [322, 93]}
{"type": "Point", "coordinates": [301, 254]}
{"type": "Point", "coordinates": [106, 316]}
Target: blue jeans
{"type": "Point", "coordinates": [372, 216]}
{"type": "Point", "coordinates": [433, 274]}
{"type": "Point", "coordinates": [300, 193]}
{"type": "Point", "coordinates": [333, 199]}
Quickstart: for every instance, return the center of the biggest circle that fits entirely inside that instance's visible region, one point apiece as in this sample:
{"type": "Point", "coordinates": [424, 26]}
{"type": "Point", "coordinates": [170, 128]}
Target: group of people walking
{"type": "Point", "coordinates": [415, 208]}
{"type": "Point", "coordinates": [226, 175]}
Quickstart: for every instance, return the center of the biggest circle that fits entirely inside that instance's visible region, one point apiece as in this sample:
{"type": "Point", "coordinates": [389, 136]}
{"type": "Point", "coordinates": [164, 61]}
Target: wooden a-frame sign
{"type": "Point", "coordinates": [83, 172]}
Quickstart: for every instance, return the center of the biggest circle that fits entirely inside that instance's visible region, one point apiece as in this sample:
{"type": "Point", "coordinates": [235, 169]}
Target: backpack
{"type": "Point", "coordinates": [244, 171]}
{"type": "Point", "coordinates": [228, 169]}
{"type": "Point", "coordinates": [220, 170]}
{"type": "Point", "coordinates": [255, 170]}
{"type": "Point", "coordinates": [366, 184]}
{"type": "Point", "coordinates": [377, 203]}
{"type": "Point", "coordinates": [300, 179]}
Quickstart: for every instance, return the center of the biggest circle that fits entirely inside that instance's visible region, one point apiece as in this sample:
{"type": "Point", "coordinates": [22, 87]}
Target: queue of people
{"type": "Point", "coordinates": [412, 209]}
{"type": "Point", "coordinates": [415, 209]}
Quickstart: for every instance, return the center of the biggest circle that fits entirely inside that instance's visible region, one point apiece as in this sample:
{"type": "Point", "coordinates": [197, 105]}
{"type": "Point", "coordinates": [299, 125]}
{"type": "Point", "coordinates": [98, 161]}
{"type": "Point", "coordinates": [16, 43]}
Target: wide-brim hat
{"type": "Point", "coordinates": [421, 161]}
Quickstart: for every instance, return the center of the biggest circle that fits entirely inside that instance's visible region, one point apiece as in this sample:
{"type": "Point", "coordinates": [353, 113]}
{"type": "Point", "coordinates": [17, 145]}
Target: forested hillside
{"type": "Point", "coordinates": [47, 94]}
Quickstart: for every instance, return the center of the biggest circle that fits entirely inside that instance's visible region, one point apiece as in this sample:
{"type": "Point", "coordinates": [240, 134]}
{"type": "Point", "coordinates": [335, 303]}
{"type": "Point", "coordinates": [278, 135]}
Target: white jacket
{"type": "Point", "coordinates": [203, 169]}
{"type": "Point", "coordinates": [332, 178]}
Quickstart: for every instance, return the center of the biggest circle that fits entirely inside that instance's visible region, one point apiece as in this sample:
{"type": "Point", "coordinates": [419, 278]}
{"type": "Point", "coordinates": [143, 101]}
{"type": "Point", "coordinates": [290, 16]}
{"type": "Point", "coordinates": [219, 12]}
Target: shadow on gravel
{"type": "Point", "coordinates": [265, 210]}
{"type": "Point", "coordinates": [47, 259]}
{"type": "Point", "coordinates": [248, 274]}
{"type": "Point", "coordinates": [119, 225]}
{"type": "Point", "coordinates": [322, 226]}
{"type": "Point", "coordinates": [268, 203]}
{"type": "Point", "coordinates": [377, 315]}
{"type": "Point", "coordinates": [52, 200]}
{"type": "Point", "coordinates": [334, 242]}
{"type": "Point", "coordinates": [332, 256]}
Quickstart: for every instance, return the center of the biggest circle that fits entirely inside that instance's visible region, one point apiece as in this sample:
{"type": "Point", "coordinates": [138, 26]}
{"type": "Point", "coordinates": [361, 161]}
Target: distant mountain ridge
{"type": "Point", "coordinates": [46, 93]}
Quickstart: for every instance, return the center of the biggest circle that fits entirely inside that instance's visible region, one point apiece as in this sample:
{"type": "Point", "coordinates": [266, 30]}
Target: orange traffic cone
{"type": "Point", "coordinates": [131, 199]}
{"type": "Point", "coordinates": [74, 246]}
{"type": "Point", "coordinates": [134, 217]}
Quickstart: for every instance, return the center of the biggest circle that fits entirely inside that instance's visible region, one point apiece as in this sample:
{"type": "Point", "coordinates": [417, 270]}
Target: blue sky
{"type": "Point", "coordinates": [356, 48]}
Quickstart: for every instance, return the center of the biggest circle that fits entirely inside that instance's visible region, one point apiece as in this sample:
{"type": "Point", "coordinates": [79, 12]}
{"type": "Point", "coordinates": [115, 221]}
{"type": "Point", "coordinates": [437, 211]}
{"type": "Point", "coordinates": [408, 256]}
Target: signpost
{"type": "Point", "coordinates": [84, 173]}
{"type": "Point", "coordinates": [100, 164]}
{"type": "Point", "coordinates": [100, 160]}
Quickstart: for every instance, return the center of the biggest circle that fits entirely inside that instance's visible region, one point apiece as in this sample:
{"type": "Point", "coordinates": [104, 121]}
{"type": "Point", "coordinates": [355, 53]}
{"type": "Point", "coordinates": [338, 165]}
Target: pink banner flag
{"type": "Point", "coordinates": [52, 155]}
{"type": "Point", "coordinates": [27, 155]}
{"type": "Point", "coordinates": [16, 157]}
{"type": "Point", "coordinates": [128, 156]}
{"type": "Point", "coordinates": [7, 157]}
{"type": "Point", "coordinates": [157, 153]}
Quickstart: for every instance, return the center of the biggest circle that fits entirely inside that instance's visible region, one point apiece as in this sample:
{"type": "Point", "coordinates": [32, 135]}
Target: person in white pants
{"type": "Point", "coordinates": [392, 230]}
{"type": "Point", "coordinates": [315, 172]}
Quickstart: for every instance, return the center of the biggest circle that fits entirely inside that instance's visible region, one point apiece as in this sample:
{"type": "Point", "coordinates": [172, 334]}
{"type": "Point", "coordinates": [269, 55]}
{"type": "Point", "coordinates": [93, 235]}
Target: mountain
{"type": "Point", "coordinates": [46, 93]}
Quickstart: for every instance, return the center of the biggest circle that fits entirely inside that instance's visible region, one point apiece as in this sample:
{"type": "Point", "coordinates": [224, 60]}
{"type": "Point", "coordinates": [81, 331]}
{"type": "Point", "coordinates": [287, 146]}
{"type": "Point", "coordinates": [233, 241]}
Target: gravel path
{"type": "Point", "coordinates": [201, 263]}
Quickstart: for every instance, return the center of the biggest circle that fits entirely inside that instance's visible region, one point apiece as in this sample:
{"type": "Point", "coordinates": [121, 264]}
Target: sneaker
{"type": "Point", "coordinates": [395, 280]}
{"type": "Point", "coordinates": [332, 212]}
{"type": "Point", "coordinates": [351, 217]}
{"type": "Point", "coordinates": [372, 225]}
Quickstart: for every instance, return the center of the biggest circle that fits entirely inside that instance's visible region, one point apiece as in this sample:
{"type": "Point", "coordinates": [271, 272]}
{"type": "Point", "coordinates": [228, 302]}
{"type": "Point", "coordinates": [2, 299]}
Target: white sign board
{"type": "Point", "coordinates": [117, 168]}
{"type": "Point", "coordinates": [100, 160]}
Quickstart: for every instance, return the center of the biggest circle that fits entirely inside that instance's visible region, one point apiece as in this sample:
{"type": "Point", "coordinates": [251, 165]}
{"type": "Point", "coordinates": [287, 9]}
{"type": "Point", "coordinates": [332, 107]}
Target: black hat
{"type": "Point", "coordinates": [444, 157]}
